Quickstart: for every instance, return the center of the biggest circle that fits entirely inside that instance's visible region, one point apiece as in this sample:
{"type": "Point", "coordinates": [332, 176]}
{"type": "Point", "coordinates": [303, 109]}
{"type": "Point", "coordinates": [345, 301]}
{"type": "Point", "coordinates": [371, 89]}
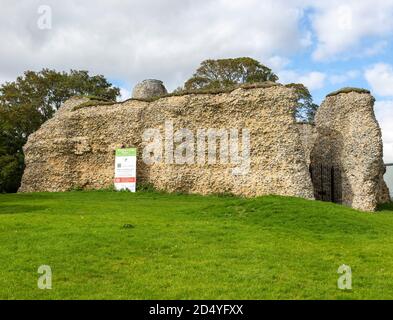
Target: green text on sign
{"type": "Point", "coordinates": [126, 152]}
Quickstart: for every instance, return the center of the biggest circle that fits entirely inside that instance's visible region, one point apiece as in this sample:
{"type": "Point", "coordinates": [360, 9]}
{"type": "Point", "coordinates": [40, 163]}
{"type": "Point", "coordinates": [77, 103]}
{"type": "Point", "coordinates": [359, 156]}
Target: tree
{"type": "Point", "coordinates": [11, 159]}
{"type": "Point", "coordinates": [223, 73]}
{"type": "Point", "coordinates": [306, 108]}
{"type": "Point", "coordinates": [31, 100]}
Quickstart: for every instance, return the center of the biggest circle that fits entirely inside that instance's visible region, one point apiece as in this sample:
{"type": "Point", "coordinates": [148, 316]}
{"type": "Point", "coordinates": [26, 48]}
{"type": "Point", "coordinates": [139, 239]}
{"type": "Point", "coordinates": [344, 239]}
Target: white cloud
{"type": "Point", "coordinates": [136, 40]}
{"type": "Point", "coordinates": [277, 63]}
{"type": "Point", "coordinates": [341, 27]}
{"type": "Point", "coordinates": [380, 78]}
{"type": "Point", "coordinates": [384, 115]}
{"type": "Point", "coordinates": [313, 80]}
{"type": "Point", "coordinates": [4, 79]}
{"type": "Point", "coordinates": [344, 77]}
{"type": "Point", "coordinates": [124, 94]}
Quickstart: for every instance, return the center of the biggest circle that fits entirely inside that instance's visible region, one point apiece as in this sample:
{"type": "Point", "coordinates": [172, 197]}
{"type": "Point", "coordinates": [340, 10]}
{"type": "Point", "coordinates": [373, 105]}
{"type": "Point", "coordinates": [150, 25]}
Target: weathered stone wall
{"type": "Point", "coordinates": [149, 89]}
{"type": "Point", "coordinates": [349, 138]}
{"type": "Point", "coordinates": [75, 149]}
{"type": "Point", "coordinates": [308, 135]}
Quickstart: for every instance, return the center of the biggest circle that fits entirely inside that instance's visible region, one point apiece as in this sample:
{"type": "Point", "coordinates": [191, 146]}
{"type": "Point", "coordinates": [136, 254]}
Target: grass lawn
{"type": "Point", "coordinates": [108, 245]}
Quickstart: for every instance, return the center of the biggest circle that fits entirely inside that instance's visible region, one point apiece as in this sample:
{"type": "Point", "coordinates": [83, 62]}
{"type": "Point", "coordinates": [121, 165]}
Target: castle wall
{"type": "Point", "coordinates": [342, 151]}
{"type": "Point", "coordinates": [349, 140]}
{"type": "Point", "coordinates": [308, 136]}
{"type": "Point", "coordinates": [75, 149]}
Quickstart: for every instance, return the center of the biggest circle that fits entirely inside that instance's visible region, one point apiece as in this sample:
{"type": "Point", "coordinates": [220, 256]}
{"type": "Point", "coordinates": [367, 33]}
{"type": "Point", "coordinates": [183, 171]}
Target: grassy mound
{"type": "Point", "coordinates": [108, 245]}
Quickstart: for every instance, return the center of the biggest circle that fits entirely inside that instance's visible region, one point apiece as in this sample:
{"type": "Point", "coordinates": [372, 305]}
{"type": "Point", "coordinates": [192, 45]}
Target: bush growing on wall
{"type": "Point", "coordinates": [223, 73]}
{"type": "Point", "coordinates": [226, 73]}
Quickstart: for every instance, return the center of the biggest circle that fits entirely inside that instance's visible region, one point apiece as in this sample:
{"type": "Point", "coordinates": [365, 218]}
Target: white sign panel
{"type": "Point", "coordinates": [125, 169]}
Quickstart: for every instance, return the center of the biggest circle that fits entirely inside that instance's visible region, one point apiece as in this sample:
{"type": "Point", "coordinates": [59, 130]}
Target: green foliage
{"type": "Point", "coordinates": [306, 108]}
{"type": "Point", "coordinates": [11, 159]}
{"type": "Point", "coordinates": [31, 100]}
{"type": "Point", "coordinates": [11, 168]}
{"type": "Point", "coordinates": [115, 245]}
{"type": "Point", "coordinates": [145, 187]}
{"type": "Point", "coordinates": [227, 74]}
{"type": "Point", "coordinates": [348, 90]}
{"type": "Point", "coordinates": [182, 92]}
{"type": "Point", "coordinates": [223, 73]}
{"type": "Point", "coordinates": [93, 103]}
{"type": "Point", "coordinates": [226, 194]}
{"type": "Point", "coordinates": [227, 89]}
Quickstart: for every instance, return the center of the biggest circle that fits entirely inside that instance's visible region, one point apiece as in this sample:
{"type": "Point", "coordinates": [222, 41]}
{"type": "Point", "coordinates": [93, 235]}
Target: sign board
{"type": "Point", "coordinates": [125, 169]}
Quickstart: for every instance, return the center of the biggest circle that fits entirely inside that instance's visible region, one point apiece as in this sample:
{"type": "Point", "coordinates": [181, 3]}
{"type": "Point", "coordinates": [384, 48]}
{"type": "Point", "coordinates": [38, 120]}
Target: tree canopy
{"type": "Point", "coordinates": [306, 108]}
{"type": "Point", "coordinates": [31, 100]}
{"type": "Point", "coordinates": [222, 73]}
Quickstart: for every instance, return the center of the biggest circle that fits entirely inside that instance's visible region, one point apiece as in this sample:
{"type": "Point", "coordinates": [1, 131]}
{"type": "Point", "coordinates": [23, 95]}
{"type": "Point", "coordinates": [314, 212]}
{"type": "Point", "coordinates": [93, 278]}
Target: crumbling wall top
{"type": "Point", "coordinates": [348, 90]}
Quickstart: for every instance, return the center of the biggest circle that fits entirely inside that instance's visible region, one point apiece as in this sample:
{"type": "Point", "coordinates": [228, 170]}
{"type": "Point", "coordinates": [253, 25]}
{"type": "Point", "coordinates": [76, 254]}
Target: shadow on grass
{"type": "Point", "coordinates": [385, 207]}
{"type": "Point", "coordinates": [8, 197]}
{"type": "Point", "coordinates": [16, 208]}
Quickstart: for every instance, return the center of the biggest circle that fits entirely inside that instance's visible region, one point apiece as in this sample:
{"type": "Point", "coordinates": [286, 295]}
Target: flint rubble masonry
{"type": "Point", "coordinates": [348, 136]}
{"type": "Point", "coordinates": [75, 149]}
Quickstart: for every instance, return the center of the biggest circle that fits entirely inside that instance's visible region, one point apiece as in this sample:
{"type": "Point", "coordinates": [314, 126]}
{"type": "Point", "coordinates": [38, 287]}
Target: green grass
{"type": "Point", "coordinates": [108, 245]}
{"type": "Point", "coordinates": [348, 90]}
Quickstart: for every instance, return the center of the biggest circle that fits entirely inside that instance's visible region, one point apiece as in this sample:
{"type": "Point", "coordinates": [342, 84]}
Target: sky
{"type": "Point", "coordinates": [326, 45]}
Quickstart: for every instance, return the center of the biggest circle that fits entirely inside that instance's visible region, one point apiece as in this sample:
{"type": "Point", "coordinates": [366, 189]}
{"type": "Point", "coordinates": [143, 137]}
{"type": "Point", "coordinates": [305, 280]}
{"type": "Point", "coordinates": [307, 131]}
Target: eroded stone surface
{"type": "Point", "coordinates": [150, 88]}
{"type": "Point", "coordinates": [349, 138]}
{"type": "Point", "coordinates": [75, 149]}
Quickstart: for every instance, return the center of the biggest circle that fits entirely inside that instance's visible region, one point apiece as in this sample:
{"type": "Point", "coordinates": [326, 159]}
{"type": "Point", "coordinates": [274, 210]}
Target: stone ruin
{"type": "Point", "coordinates": [338, 159]}
{"type": "Point", "coordinates": [149, 88]}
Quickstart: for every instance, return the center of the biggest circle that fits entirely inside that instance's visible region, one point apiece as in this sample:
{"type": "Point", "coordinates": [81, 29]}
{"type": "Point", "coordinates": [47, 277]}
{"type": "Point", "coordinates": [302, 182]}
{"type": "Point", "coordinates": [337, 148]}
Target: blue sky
{"type": "Point", "coordinates": [348, 71]}
{"type": "Point", "coordinates": [323, 44]}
